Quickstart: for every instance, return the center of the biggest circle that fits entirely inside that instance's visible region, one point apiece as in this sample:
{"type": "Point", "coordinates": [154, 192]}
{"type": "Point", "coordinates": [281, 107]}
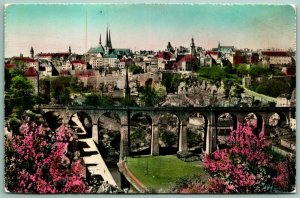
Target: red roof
{"type": "Point", "coordinates": [9, 66]}
{"type": "Point", "coordinates": [212, 52]}
{"type": "Point", "coordinates": [45, 54]}
{"type": "Point", "coordinates": [84, 73]}
{"type": "Point", "coordinates": [78, 62]}
{"type": "Point", "coordinates": [31, 72]}
{"type": "Point", "coordinates": [185, 58]}
{"type": "Point", "coordinates": [164, 55]}
{"type": "Point", "coordinates": [54, 54]}
{"type": "Point", "coordinates": [30, 60]}
{"type": "Point", "coordinates": [64, 72]}
{"type": "Point", "coordinates": [274, 53]}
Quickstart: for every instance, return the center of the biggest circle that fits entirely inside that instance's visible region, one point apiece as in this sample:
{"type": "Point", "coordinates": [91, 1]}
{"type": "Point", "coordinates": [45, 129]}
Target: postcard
{"type": "Point", "coordinates": [150, 98]}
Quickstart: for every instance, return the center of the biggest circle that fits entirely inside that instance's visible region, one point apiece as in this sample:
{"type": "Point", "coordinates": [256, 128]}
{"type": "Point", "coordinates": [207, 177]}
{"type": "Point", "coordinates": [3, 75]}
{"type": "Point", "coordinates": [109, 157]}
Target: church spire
{"type": "Point", "coordinates": [31, 52]}
{"type": "Point", "coordinates": [100, 40]}
{"type": "Point", "coordinates": [193, 48]}
{"type": "Point", "coordinates": [106, 41]}
{"type": "Point", "coordinates": [109, 39]}
{"type": "Point", "coordinates": [127, 88]}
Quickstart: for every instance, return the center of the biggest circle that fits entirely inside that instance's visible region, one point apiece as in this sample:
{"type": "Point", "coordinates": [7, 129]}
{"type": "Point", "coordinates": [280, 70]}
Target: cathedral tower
{"type": "Point", "coordinates": [31, 52]}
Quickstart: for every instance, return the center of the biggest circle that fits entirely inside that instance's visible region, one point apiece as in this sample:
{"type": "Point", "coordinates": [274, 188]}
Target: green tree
{"type": "Point", "coordinates": [98, 100]}
{"type": "Point", "coordinates": [213, 73]}
{"type": "Point", "coordinates": [19, 96]}
{"type": "Point", "coordinates": [150, 96]}
{"type": "Point", "coordinates": [64, 96]}
{"type": "Point", "coordinates": [21, 87]}
{"type": "Point", "coordinates": [273, 87]}
{"type": "Point", "coordinates": [168, 138]}
{"type": "Point", "coordinates": [135, 69]}
{"type": "Point", "coordinates": [258, 70]}
{"type": "Point", "coordinates": [171, 81]}
{"type": "Point", "coordinates": [242, 69]}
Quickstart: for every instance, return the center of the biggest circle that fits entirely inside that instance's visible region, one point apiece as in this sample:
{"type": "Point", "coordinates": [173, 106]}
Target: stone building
{"type": "Point", "coordinates": [33, 75]}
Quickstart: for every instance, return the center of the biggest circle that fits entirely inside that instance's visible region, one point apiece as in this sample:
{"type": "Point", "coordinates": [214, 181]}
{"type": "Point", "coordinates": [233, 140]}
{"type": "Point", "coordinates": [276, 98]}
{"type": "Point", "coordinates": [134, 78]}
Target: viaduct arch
{"type": "Point", "coordinates": [210, 114]}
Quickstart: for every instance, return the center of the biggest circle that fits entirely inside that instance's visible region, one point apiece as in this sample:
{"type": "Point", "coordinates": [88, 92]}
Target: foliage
{"type": "Point", "coordinates": [20, 87]}
{"type": "Point", "coordinates": [273, 87]}
{"type": "Point", "coordinates": [213, 73]}
{"type": "Point", "coordinates": [252, 70]}
{"type": "Point", "coordinates": [98, 100]}
{"type": "Point", "coordinates": [129, 101]}
{"type": "Point", "coordinates": [245, 167]}
{"type": "Point", "coordinates": [150, 96]}
{"type": "Point", "coordinates": [160, 89]}
{"type": "Point", "coordinates": [192, 138]}
{"type": "Point", "coordinates": [135, 69]}
{"type": "Point", "coordinates": [138, 134]}
{"type": "Point", "coordinates": [168, 138]}
{"type": "Point", "coordinates": [35, 162]}
{"type": "Point", "coordinates": [63, 86]}
{"type": "Point", "coordinates": [20, 96]}
{"type": "Point", "coordinates": [11, 73]}
{"type": "Point", "coordinates": [191, 187]}
{"type": "Point", "coordinates": [171, 81]}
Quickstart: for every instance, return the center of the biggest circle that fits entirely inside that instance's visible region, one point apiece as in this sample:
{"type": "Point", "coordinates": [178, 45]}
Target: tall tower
{"type": "Point", "coordinates": [127, 88]}
{"type": "Point", "coordinates": [170, 48]}
{"type": "Point", "coordinates": [31, 52]}
{"type": "Point", "coordinates": [106, 41]}
{"type": "Point", "coordinates": [100, 40]}
{"type": "Point", "coordinates": [109, 40]}
{"type": "Point", "coordinates": [193, 48]}
{"type": "Point", "coordinates": [70, 51]}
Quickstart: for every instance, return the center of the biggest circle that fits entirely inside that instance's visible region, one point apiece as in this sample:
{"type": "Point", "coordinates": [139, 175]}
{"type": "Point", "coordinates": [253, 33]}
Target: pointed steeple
{"type": "Point", "coordinates": [106, 41]}
{"type": "Point", "coordinates": [70, 52]}
{"type": "Point", "coordinates": [109, 39]}
{"type": "Point", "coordinates": [100, 40]}
{"type": "Point", "coordinates": [170, 48]}
{"type": "Point", "coordinates": [193, 48]}
{"type": "Point", "coordinates": [127, 88]}
{"type": "Point", "coordinates": [31, 52]}
{"type": "Point", "coordinates": [219, 46]}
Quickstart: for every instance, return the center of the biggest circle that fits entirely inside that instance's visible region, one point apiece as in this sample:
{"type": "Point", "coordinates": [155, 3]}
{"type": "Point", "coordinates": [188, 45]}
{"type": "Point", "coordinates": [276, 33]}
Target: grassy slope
{"type": "Point", "coordinates": [163, 171]}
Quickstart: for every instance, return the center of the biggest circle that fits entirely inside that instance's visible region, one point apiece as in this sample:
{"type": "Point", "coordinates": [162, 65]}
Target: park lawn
{"type": "Point", "coordinates": [163, 171]}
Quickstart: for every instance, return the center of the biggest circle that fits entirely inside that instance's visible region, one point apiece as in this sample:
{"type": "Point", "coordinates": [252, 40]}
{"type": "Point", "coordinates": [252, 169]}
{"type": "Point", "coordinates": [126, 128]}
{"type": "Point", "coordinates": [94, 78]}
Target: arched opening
{"type": "Point", "coordinates": [277, 119]}
{"type": "Point", "coordinates": [148, 82]}
{"type": "Point", "coordinates": [280, 132]}
{"type": "Point", "coordinates": [196, 133]}
{"type": "Point", "coordinates": [81, 123]}
{"type": "Point", "coordinates": [225, 124]}
{"type": "Point", "coordinates": [168, 127]}
{"type": "Point", "coordinates": [109, 136]}
{"type": "Point", "coordinates": [140, 134]}
{"type": "Point", "coordinates": [255, 121]}
{"type": "Point", "coordinates": [53, 120]}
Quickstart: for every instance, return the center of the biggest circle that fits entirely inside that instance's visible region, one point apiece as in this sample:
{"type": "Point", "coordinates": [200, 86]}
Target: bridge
{"type": "Point", "coordinates": [210, 115]}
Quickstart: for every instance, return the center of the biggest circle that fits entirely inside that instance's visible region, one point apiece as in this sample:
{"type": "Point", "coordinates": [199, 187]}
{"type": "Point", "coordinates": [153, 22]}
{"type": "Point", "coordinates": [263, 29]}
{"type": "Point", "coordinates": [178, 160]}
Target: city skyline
{"type": "Point", "coordinates": [55, 27]}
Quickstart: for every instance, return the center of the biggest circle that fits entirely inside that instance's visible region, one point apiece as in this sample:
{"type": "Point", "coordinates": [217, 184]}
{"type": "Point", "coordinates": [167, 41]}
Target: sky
{"type": "Point", "coordinates": [53, 28]}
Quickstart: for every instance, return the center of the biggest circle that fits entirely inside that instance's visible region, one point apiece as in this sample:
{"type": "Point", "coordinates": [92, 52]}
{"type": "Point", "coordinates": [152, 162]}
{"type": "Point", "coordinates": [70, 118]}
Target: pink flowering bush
{"type": "Point", "coordinates": [246, 166]}
{"type": "Point", "coordinates": [34, 162]}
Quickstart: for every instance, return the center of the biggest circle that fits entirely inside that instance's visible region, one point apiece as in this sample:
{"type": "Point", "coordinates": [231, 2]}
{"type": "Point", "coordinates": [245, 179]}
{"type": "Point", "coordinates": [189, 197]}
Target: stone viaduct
{"type": "Point", "coordinates": [210, 114]}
